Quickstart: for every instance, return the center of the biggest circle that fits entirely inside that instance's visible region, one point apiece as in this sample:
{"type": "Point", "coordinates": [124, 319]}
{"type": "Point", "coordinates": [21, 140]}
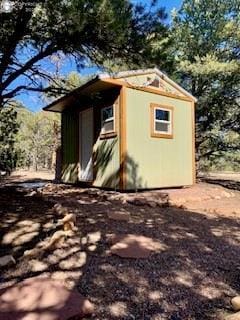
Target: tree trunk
{"type": "Point", "coordinates": [58, 165]}
{"type": "Point", "coordinates": [35, 164]}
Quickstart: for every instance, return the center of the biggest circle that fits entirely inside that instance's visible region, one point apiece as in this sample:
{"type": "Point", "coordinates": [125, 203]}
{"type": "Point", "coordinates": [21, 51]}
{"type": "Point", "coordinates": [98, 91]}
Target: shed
{"type": "Point", "coordinates": [128, 131]}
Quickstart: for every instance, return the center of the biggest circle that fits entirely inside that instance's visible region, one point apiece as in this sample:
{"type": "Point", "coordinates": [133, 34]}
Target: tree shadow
{"type": "Point", "coordinates": [135, 181]}
{"type": "Point", "coordinates": [226, 183]}
{"type": "Point", "coordinates": [103, 156]}
{"type": "Point", "coordinates": [20, 220]}
{"type": "Point", "coordinates": [33, 302]}
{"type": "Point", "coordinates": [192, 278]}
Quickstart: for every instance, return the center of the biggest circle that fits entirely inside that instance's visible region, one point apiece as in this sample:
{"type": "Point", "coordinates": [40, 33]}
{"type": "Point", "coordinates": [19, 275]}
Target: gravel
{"type": "Point", "coordinates": [195, 277]}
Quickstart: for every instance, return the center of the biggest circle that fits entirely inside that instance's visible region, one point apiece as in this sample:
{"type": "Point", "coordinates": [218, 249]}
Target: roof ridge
{"type": "Point", "coordinates": [164, 76]}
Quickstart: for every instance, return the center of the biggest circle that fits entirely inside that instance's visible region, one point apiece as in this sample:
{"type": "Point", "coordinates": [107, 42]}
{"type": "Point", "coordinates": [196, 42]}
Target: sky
{"type": "Point", "coordinates": [34, 103]}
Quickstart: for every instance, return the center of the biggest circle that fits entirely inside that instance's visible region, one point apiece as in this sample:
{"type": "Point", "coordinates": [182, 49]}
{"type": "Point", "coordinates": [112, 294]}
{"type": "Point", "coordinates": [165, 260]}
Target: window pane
{"type": "Point", "coordinates": [162, 115]}
{"type": "Point", "coordinates": [108, 126]}
{"type": "Point", "coordinates": [154, 83]}
{"type": "Point", "coordinates": [162, 127]}
{"type": "Point", "coordinates": [107, 113]}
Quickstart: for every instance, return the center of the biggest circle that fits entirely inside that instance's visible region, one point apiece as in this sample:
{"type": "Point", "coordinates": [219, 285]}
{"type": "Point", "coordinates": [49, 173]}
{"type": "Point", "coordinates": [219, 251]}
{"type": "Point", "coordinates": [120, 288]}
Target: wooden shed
{"type": "Point", "coordinates": [128, 131]}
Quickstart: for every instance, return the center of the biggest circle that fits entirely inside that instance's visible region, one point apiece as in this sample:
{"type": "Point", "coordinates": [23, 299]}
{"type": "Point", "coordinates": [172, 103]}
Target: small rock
{"type": "Point", "coordinates": [93, 237]}
{"type": "Point", "coordinates": [48, 226]}
{"type": "Point", "coordinates": [162, 203]}
{"type": "Point", "coordinates": [32, 194]}
{"type": "Point", "coordinates": [134, 246]}
{"type": "Point", "coordinates": [236, 303]}
{"type": "Point", "coordinates": [60, 210]}
{"type": "Point", "coordinates": [69, 217]}
{"type": "Point", "coordinates": [37, 265]}
{"type": "Point", "coordinates": [40, 298]}
{"type": "Point", "coordinates": [115, 197]}
{"type": "Point", "coordinates": [7, 261]}
{"type": "Point", "coordinates": [137, 201]}
{"type": "Point", "coordinates": [92, 247]}
{"type": "Point", "coordinates": [104, 197]}
{"type": "Point", "coordinates": [93, 192]}
{"type": "Point", "coordinates": [152, 204]}
{"type": "Point", "coordinates": [32, 252]}
{"type": "Point", "coordinates": [84, 241]}
{"type": "Point", "coordinates": [119, 215]}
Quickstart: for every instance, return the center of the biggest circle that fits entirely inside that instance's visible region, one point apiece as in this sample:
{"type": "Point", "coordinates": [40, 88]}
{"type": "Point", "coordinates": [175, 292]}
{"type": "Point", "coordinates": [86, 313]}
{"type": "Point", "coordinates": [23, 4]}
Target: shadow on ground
{"type": "Point", "coordinates": [192, 278]}
{"type": "Point", "coordinates": [226, 183]}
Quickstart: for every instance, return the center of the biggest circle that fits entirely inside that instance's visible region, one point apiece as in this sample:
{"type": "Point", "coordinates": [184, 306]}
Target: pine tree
{"type": "Point", "coordinates": [206, 37]}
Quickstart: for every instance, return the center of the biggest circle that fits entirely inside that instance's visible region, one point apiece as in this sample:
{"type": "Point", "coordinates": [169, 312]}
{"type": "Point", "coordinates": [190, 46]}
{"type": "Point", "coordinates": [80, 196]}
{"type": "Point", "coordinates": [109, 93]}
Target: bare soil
{"type": "Point", "coordinates": [22, 175]}
{"type": "Point", "coordinates": [194, 277]}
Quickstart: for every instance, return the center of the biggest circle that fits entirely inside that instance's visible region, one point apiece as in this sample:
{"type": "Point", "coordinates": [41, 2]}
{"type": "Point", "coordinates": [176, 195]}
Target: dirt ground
{"type": "Point", "coordinates": [22, 175]}
{"type": "Point", "coordinates": [192, 277]}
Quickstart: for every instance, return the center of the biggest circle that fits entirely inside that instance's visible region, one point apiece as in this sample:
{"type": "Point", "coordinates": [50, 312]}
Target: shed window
{"type": "Point", "coordinates": [162, 125]}
{"type": "Point", "coordinates": [107, 120]}
{"type": "Point", "coordinates": [155, 82]}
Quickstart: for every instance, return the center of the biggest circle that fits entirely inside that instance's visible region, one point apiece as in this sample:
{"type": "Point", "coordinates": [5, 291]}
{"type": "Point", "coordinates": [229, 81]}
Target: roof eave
{"type": "Point", "coordinates": [70, 94]}
{"type": "Point", "coordinates": [106, 76]}
{"type": "Point", "coordinates": [58, 105]}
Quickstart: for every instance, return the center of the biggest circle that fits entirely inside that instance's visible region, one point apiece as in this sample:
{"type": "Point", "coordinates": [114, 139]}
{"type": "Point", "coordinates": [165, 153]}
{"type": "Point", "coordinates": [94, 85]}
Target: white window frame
{"type": "Point", "coordinates": [157, 133]}
{"type": "Point", "coordinates": [169, 122]}
{"type": "Point", "coordinates": [108, 120]}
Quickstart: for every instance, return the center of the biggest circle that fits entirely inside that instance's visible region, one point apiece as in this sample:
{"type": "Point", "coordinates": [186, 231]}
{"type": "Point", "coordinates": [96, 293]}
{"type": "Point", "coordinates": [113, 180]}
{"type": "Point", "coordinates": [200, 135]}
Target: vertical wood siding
{"type": "Point", "coordinates": [106, 150]}
{"type": "Point", "coordinates": [70, 143]}
{"type": "Point", "coordinates": [158, 162]}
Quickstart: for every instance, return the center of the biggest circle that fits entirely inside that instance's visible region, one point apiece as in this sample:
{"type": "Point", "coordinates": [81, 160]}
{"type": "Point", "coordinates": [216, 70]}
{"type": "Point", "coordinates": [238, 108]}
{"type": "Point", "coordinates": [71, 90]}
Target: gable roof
{"type": "Point", "coordinates": [163, 76]}
{"type": "Point", "coordinates": [107, 80]}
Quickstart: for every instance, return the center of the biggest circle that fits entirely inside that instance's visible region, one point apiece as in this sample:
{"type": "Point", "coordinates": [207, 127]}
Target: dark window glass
{"type": "Point", "coordinates": [107, 119]}
{"type": "Point", "coordinates": [162, 115]}
{"type": "Point", "coordinates": [162, 127]}
{"type": "Point", "coordinates": [107, 113]}
{"type": "Point", "coordinates": [154, 83]}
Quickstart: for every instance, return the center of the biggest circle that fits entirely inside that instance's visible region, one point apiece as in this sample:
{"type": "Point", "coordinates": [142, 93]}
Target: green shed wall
{"type": "Point", "coordinates": [70, 141]}
{"type": "Point", "coordinates": [106, 158]}
{"type": "Point", "coordinates": [157, 162]}
{"type": "Point", "coordinates": [107, 163]}
{"type": "Point", "coordinates": [106, 151]}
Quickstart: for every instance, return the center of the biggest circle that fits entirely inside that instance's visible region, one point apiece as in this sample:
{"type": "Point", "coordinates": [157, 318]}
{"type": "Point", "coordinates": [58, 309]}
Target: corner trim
{"type": "Point", "coordinates": [123, 142]}
{"type": "Point", "coordinates": [193, 143]}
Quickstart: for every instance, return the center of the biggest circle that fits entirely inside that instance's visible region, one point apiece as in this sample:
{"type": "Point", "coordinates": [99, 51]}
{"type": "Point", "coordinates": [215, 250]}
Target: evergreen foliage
{"type": "Point", "coordinates": [206, 37]}
{"type": "Point", "coordinates": [8, 130]}
{"type": "Point", "coordinates": [36, 33]}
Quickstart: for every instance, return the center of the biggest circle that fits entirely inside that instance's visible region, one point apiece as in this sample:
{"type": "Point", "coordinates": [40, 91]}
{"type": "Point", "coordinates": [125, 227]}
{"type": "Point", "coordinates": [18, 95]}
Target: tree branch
{"type": "Point", "coordinates": [42, 54]}
{"type": "Point", "coordinates": [11, 94]}
{"type": "Point", "coordinates": [23, 19]}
